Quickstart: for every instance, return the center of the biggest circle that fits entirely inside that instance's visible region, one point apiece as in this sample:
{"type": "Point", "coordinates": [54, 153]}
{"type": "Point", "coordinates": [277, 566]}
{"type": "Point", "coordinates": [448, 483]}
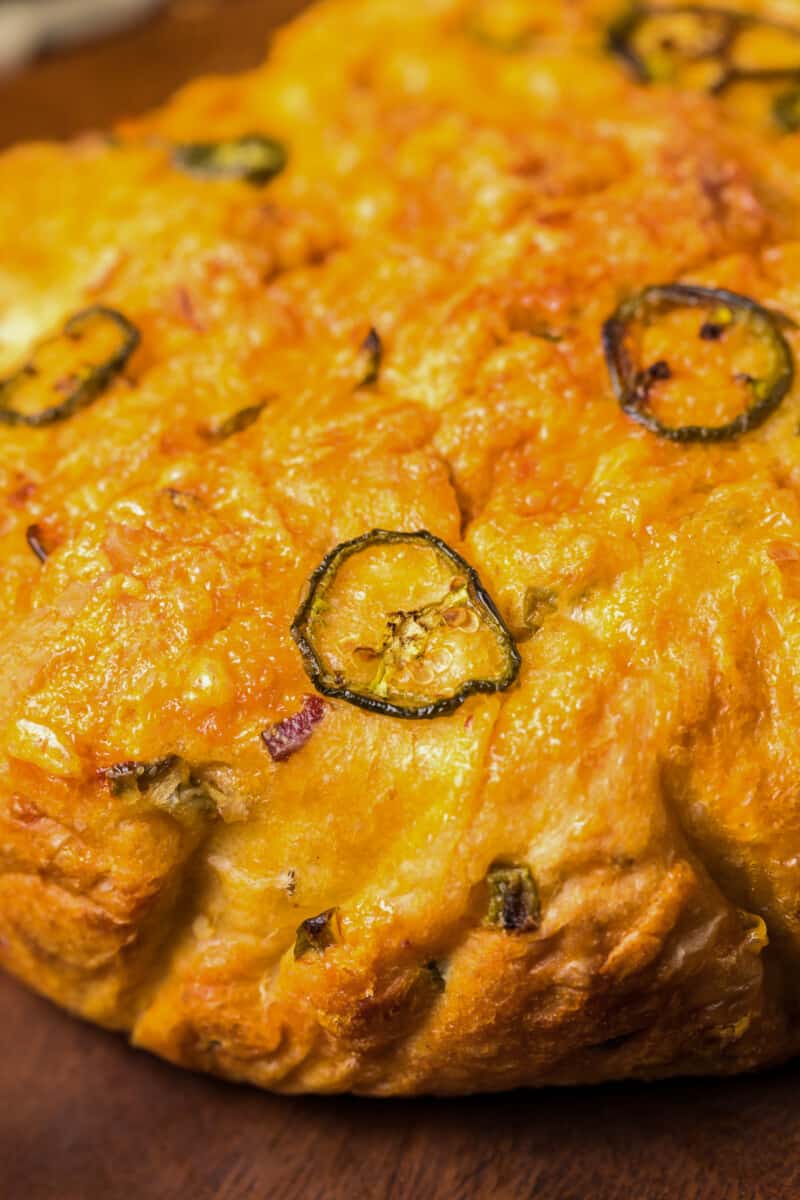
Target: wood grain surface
{"type": "Point", "coordinates": [82, 1117]}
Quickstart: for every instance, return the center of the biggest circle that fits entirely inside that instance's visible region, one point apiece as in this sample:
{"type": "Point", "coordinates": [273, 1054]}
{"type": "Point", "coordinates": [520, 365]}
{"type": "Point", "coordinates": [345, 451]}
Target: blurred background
{"type": "Point", "coordinates": [71, 65]}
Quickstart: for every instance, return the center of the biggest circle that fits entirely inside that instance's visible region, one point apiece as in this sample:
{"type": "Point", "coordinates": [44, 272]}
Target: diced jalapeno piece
{"type": "Point", "coordinates": [652, 344]}
{"type": "Point", "coordinates": [538, 604]}
{"type": "Point", "coordinates": [253, 158]}
{"type": "Point", "coordinates": [370, 358]}
{"type": "Point", "coordinates": [513, 899]}
{"type": "Point", "coordinates": [125, 775]}
{"type": "Point", "coordinates": [660, 43]}
{"type": "Point", "coordinates": [69, 371]}
{"type": "Point", "coordinates": [400, 624]}
{"type": "Point", "coordinates": [317, 933]}
{"type": "Point", "coordinates": [170, 784]}
{"type": "Point", "coordinates": [786, 109]}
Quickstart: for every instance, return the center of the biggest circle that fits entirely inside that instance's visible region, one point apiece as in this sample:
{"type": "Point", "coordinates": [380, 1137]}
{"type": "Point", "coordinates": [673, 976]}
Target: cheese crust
{"type": "Point", "coordinates": [483, 185]}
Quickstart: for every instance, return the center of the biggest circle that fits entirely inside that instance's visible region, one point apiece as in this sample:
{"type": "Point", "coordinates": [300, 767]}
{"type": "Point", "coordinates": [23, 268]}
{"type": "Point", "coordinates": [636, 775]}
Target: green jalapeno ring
{"type": "Point", "coordinates": [331, 685]}
{"type": "Point", "coordinates": [254, 158]}
{"type": "Point", "coordinates": [632, 388]}
{"type": "Point", "coordinates": [622, 32]}
{"type": "Point", "coordinates": [87, 387]}
{"type": "Point", "coordinates": [732, 25]}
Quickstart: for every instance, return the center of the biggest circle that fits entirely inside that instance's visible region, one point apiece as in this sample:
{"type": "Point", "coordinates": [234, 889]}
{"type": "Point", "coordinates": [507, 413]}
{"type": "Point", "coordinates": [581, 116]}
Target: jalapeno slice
{"type": "Point", "coordinates": [399, 624]}
{"type": "Point", "coordinates": [659, 43]}
{"type": "Point", "coordinates": [69, 371]}
{"type": "Point", "coordinates": [738, 328]}
{"type": "Point", "coordinates": [254, 158]}
{"type": "Point", "coordinates": [709, 48]}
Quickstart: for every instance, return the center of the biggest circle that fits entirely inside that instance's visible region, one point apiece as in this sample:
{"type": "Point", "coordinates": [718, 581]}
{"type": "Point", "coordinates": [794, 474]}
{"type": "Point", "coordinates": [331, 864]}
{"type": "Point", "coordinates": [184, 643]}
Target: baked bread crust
{"type": "Point", "coordinates": [485, 207]}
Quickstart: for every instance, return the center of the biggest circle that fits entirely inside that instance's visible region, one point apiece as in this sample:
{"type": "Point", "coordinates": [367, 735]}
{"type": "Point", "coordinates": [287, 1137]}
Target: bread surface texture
{"type": "Point", "coordinates": [483, 186]}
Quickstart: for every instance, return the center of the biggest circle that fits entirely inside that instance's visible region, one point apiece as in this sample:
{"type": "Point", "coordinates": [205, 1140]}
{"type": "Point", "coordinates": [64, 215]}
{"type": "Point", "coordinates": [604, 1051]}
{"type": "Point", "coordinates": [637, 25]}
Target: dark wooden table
{"type": "Point", "coordinates": [82, 1117]}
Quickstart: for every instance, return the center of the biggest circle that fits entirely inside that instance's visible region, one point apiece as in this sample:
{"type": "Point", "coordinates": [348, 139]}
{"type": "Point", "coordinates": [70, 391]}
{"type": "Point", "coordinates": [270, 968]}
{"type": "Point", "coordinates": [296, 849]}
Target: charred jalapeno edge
{"type": "Point", "coordinates": [632, 389]}
{"type": "Point", "coordinates": [330, 687]}
{"type": "Point", "coordinates": [86, 390]}
{"type": "Point", "coordinates": [218, 160]}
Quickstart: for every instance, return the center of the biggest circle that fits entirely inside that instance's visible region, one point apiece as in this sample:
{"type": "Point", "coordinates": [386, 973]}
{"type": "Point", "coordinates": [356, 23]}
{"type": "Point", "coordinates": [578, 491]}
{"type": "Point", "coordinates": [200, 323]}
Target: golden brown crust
{"type": "Point", "coordinates": [486, 210]}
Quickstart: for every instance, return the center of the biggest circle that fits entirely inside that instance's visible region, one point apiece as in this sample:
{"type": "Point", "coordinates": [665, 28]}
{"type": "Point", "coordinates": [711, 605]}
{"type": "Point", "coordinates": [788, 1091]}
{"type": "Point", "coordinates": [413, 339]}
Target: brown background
{"type": "Point", "coordinates": [90, 87]}
{"type": "Point", "coordinates": [82, 1117]}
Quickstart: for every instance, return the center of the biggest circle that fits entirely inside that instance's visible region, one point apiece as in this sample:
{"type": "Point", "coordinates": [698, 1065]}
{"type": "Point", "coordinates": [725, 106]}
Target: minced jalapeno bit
{"type": "Point", "coordinates": [254, 158]}
{"type": "Point", "coordinates": [513, 899]}
{"type": "Point", "coordinates": [69, 371]}
{"type": "Point", "coordinates": [400, 624]}
{"type": "Point", "coordinates": [658, 341]}
{"type": "Point", "coordinates": [317, 933]}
